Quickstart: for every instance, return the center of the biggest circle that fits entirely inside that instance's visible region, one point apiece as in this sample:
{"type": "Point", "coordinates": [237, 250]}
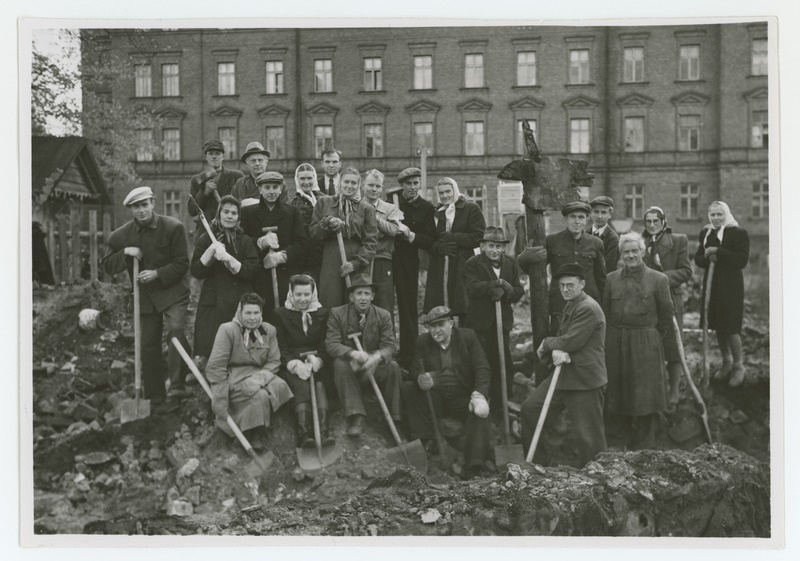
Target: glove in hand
{"type": "Point", "coordinates": [220, 408]}
{"type": "Point", "coordinates": [315, 362]}
{"type": "Point", "coordinates": [425, 381]}
{"type": "Point", "coordinates": [446, 248]}
{"type": "Point", "coordinates": [561, 357]}
{"type": "Point", "coordinates": [347, 268]}
{"type": "Point", "coordinates": [478, 405]}
{"type": "Point", "coordinates": [496, 293]}
{"type": "Point", "coordinates": [270, 239]}
{"type": "Point", "coordinates": [272, 260]}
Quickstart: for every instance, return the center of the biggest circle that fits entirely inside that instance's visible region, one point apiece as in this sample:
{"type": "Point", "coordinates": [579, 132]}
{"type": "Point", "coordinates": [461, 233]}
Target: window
{"type": "Point", "coordinates": [323, 138]}
{"type": "Point", "coordinates": [761, 199]}
{"type": "Point", "coordinates": [423, 72]}
{"type": "Point", "coordinates": [144, 143]}
{"type": "Point", "coordinates": [373, 141]}
{"type": "Point", "coordinates": [172, 204]}
{"type": "Point", "coordinates": [274, 77]}
{"type": "Point", "coordinates": [423, 136]}
{"type": "Point", "coordinates": [170, 80]}
{"type": "Point", "coordinates": [473, 71]}
{"type": "Point", "coordinates": [634, 201]}
{"type": "Point", "coordinates": [689, 68]}
{"type": "Point", "coordinates": [579, 136]}
{"type": "Point", "coordinates": [634, 134]}
{"type": "Point", "coordinates": [323, 75]}
{"type": "Point", "coordinates": [143, 85]}
{"type": "Point", "coordinates": [171, 143]}
{"type": "Point", "coordinates": [373, 77]}
{"type": "Point", "coordinates": [475, 194]}
{"type": "Point", "coordinates": [521, 149]}
{"type": "Point", "coordinates": [760, 130]}
{"type": "Point", "coordinates": [526, 68]}
{"type": "Point", "coordinates": [227, 136]}
{"type": "Point", "coordinates": [689, 133]}
{"type": "Point", "coordinates": [759, 57]}
{"type": "Point", "coordinates": [579, 66]}
{"type": "Point", "coordinates": [473, 138]}
{"type": "Point", "coordinates": [226, 78]}
{"type": "Point", "coordinates": [633, 65]}
{"type": "Point", "coordinates": [689, 199]}
{"type": "Point", "coordinates": [276, 142]}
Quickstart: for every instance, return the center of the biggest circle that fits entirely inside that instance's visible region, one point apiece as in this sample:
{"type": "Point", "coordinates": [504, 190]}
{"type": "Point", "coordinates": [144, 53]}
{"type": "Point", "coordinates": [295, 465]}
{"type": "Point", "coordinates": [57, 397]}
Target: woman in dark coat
{"type": "Point", "coordinates": [725, 244]}
{"type": "Point", "coordinates": [305, 180]}
{"type": "Point", "coordinates": [227, 267]}
{"type": "Point", "coordinates": [669, 253]}
{"type": "Point", "coordinates": [459, 229]}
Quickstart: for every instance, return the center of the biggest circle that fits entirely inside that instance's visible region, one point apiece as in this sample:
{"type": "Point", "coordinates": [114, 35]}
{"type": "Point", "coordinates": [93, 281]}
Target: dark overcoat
{"type": "Point", "coordinates": [610, 240]}
{"type": "Point", "coordinates": [292, 340]}
{"type": "Point", "coordinates": [479, 278]}
{"type": "Point", "coordinates": [588, 252]}
{"type": "Point", "coordinates": [312, 259]}
{"type": "Point", "coordinates": [377, 334]}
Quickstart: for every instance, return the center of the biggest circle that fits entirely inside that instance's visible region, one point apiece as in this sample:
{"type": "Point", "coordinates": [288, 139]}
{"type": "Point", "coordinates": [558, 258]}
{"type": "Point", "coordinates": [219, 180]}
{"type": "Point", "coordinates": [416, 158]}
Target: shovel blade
{"type": "Point", "coordinates": [260, 464]}
{"type": "Point", "coordinates": [409, 454]}
{"type": "Point", "coordinates": [134, 409]}
{"type": "Point", "coordinates": [505, 454]}
{"type": "Point", "coordinates": [311, 462]}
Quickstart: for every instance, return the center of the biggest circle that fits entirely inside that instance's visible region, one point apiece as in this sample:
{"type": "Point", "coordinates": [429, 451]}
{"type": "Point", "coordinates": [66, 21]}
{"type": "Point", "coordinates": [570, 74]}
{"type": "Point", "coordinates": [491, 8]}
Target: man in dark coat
{"type": "Point", "coordinates": [451, 366]}
{"type": "Point", "coordinates": [159, 243]}
{"type": "Point", "coordinates": [417, 232]}
{"type": "Point", "coordinates": [283, 250]}
{"type": "Point", "coordinates": [256, 158]}
{"type": "Point", "coordinates": [602, 211]}
{"type": "Point", "coordinates": [579, 348]}
{"type": "Point", "coordinates": [493, 277]}
{"type": "Point", "coordinates": [212, 184]}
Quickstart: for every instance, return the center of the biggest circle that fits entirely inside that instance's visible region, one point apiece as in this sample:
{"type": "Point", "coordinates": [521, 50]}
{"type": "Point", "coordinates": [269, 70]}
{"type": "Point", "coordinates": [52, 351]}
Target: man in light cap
{"type": "Point", "coordinates": [282, 249]}
{"type": "Point", "coordinates": [602, 211]}
{"type": "Point", "coordinates": [579, 348]}
{"type": "Point", "coordinates": [159, 243]}
{"type": "Point", "coordinates": [571, 245]}
{"type": "Point", "coordinates": [213, 183]}
{"type": "Point", "coordinates": [418, 233]}
{"type": "Point", "coordinates": [256, 159]}
{"type": "Point", "coordinates": [450, 364]}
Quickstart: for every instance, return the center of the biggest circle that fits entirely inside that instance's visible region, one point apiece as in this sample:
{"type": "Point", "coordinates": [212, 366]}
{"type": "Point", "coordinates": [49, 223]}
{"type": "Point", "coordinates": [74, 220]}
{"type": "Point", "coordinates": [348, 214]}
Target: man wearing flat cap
{"type": "Point", "coordinates": [350, 367]}
{"type": "Point", "coordinates": [159, 243]}
{"type": "Point", "coordinates": [418, 232]}
{"type": "Point", "coordinates": [450, 364]}
{"type": "Point", "coordinates": [208, 187]}
{"type": "Point", "coordinates": [571, 245]}
{"type": "Point", "coordinates": [280, 235]}
{"type": "Point", "coordinates": [602, 211]}
{"type": "Point", "coordinates": [256, 158]}
{"type": "Point", "coordinates": [579, 348]}
{"type": "Point", "coordinates": [493, 277]}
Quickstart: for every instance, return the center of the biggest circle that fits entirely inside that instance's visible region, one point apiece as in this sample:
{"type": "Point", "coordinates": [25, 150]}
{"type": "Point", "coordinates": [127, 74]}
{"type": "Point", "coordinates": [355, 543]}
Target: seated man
{"type": "Point", "coordinates": [450, 363]}
{"type": "Point", "coordinates": [350, 366]}
{"type": "Point", "coordinates": [242, 371]}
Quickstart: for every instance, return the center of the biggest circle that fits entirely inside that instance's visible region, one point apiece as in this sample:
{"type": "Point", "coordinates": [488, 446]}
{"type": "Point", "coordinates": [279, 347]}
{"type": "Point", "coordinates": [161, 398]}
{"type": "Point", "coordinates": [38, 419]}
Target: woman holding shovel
{"type": "Point", "coordinates": [305, 199]}
{"type": "Point", "coordinates": [725, 247]}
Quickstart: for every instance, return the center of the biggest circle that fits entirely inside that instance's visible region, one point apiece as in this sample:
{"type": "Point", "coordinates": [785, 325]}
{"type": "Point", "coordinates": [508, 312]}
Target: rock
{"type": "Point", "coordinates": [298, 474]}
{"type": "Point", "coordinates": [102, 479]}
{"type": "Point", "coordinates": [193, 494]}
{"type": "Point", "coordinates": [173, 494]}
{"type": "Point", "coordinates": [228, 504]}
{"type": "Point", "coordinates": [231, 462]}
{"type": "Point", "coordinates": [48, 367]}
{"type": "Point", "coordinates": [738, 417]}
{"type": "Point", "coordinates": [430, 516]}
{"type": "Point", "coordinates": [159, 475]}
{"type": "Point", "coordinates": [95, 425]}
{"type": "Point", "coordinates": [180, 507]}
{"type": "Point", "coordinates": [68, 368]}
{"type": "Point", "coordinates": [110, 336]}
{"type": "Point", "coordinates": [372, 529]}
{"type": "Point", "coordinates": [189, 468]}
{"type": "Point", "coordinates": [367, 473]}
{"type": "Point", "coordinates": [366, 518]}
{"type": "Point", "coordinates": [77, 427]}
{"type": "Point", "coordinates": [94, 458]}
{"type": "Point", "coordinates": [118, 365]}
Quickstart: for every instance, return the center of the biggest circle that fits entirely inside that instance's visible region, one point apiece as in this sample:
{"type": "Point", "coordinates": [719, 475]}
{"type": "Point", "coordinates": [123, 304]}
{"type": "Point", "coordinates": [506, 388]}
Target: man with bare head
{"type": "Point", "coordinates": [331, 164]}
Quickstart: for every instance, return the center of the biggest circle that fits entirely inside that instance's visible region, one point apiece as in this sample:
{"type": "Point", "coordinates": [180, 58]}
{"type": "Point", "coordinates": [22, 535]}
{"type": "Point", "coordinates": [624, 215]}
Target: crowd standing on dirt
{"type": "Point", "coordinates": [301, 291]}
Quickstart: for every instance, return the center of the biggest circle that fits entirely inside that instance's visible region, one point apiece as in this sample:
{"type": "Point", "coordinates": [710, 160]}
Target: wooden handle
{"type": "Point", "coordinates": [275, 291]}
{"type": "Point", "coordinates": [343, 255]}
{"type": "Point", "coordinates": [137, 332]}
{"type": "Point", "coordinates": [216, 196]}
{"type": "Point", "coordinates": [498, 312]}
{"type": "Point", "coordinates": [706, 302]}
{"type": "Point", "coordinates": [689, 379]}
{"type": "Point", "coordinates": [446, 279]}
{"type": "Point", "coordinates": [436, 432]}
{"type": "Point", "coordinates": [315, 416]}
{"type": "Point", "coordinates": [548, 398]}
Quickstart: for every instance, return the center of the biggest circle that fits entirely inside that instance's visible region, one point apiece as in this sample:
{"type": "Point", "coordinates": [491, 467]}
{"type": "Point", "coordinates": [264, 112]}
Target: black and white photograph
{"type": "Point", "coordinates": [407, 279]}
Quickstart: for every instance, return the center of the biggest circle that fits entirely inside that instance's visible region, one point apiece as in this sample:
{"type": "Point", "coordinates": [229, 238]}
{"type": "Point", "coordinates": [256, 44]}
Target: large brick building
{"type": "Point", "coordinates": [669, 115]}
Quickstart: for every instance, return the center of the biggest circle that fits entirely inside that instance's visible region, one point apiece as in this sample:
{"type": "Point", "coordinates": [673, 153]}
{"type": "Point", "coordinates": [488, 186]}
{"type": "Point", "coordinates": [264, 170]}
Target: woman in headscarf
{"type": "Point", "coordinates": [305, 180]}
{"type": "Point", "coordinates": [668, 253]}
{"type": "Point", "coordinates": [344, 212]}
{"type": "Point", "coordinates": [459, 229]}
{"type": "Point", "coordinates": [301, 324]}
{"type": "Point", "coordinates": [226, 264]}
{"type": "Point", "coordinates": [727, 245]}
{"type": "Point", "coordinates": [243, 372]}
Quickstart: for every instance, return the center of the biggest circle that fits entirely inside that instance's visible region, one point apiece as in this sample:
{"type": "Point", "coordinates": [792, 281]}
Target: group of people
{"type": "Point", "coordinates": [300, 290]}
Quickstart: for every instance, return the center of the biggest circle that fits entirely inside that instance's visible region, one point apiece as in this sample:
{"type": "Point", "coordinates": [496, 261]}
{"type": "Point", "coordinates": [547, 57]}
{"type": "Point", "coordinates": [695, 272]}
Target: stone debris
{"type": "Point", "coordinates": [430, 516]}
{"type": "Point", "coordinates": [188, 468]}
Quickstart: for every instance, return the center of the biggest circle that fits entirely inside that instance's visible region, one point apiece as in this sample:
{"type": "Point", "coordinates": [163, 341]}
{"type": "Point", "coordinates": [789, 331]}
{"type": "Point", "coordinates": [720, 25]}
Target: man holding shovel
{"type": "Point", "coordinates": [208, 187]}
{"type": "Point", "coordinates": [159, 243]}
{"type": "Point", "coordinates": [579, 349]}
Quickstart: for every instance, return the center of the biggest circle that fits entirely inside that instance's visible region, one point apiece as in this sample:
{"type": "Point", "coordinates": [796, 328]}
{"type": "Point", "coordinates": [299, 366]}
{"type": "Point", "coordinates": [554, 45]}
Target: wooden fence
{"type": "Point", "coordinates": [75, 253]}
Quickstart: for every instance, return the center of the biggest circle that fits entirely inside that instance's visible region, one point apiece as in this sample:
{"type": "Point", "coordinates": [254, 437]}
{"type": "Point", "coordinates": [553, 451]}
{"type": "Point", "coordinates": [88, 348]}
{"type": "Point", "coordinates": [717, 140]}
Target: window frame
{"type": "Point", "coordinates": [423, 75]}
{"type": "Point", "coordinates": [581, 66]}
{"type": "Point", "coordinates": [230, 145]}
{"type": "Point", "coordinates": [477, 71]}
{"type": "Point", "coordinates": [759, 67]}
{"type": "Point", "coordinates": [373, 77]}
{"type": "Point", "coordinates": [167, 79]}
{"type": "Point", "coordinates": [626, 130]}
{"type": "Point", "coordinates": [763, 135]}
{"type": "Point", "coordinates": [472, 139]}
{"type": "Point", "coordinates": [689, 201]}
{"type": "Point", "coordinates": [226, 80]}
{"type": "Point", "coordinates": [528, 67]}
{"type": "Point", "coordinates": [276, 145]}
{"type": "Point", "coordinates": [323, 77]}
{"type": "Point", "coordinates": [684, 144]}
{"type": "Point", "coordinates": [377, 146]}
{"type": "Point", "coordinates": [174, 142]}
{"type": "Point", "coordinates": [629, 67]}
{"type": "Point", "coordinates": [685, 62]}
{"type": "Point", "coordinates": [572, 135]}
{"type": "Point", "coordinates": [316, 138]}
{"type": "Point", "coordinates": [172, 199]}
{"type": "Point", "coordinates": [634, 201]}
{"type": "Point", "coordinates": [759, 208]}
{"type": "Point", "coordinates": [277, 82]}
{"type": "Point", "coordinates": [142, 80]}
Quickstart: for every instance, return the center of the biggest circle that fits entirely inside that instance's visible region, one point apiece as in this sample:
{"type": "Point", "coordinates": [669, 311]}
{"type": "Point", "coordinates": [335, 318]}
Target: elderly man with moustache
{"type": "Point", "coordinates": [256, 158]}
{"type": "Point", "coordinates": [212, 184]}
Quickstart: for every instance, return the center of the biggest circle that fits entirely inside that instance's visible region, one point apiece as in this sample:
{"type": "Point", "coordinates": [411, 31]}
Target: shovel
{"type": "Point", "coordinates": [505, 453]}
{"type": "Point", "coordinates": [690, 381]}
{"type": "Point", "coordinates": [261, 463]}
{"type": "Point", "coordinates": [343, 254]}
{"type": "Point", "coordinates": [707, 300]}
{"type": "Point", "coordinates": [409, 453]}
{"type": "Point", "coordinates": [136, 408]}
{"type": "Point", "coordinates": [322, 455]}
{"type": "Point", "coordinates": [543, 415]}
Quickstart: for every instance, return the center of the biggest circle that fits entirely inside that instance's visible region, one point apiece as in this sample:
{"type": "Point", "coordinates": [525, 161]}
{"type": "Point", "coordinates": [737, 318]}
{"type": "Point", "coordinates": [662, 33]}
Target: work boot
{"type": "Point", "coordinates": [325, 437]}
{"type": "Point", "coordinates": [355, 425]}
{"type": "Point", "coordinates": [737, 377]}
{"type": "Point", "coordinates": [725, 370]}
{"type": "Point", "coordinates": [304, 439]}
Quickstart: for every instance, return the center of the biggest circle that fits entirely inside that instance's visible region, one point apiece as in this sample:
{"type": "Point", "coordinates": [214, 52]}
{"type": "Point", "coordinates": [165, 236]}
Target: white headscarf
{"type": "Point", "coordinates": [312, 307]}
{"type": "Point", "coordinates": [450, 210]}
{"type": "Point", "coordinates": [310, 195]}
{"type": "Point", "coordinates": [729, 220]}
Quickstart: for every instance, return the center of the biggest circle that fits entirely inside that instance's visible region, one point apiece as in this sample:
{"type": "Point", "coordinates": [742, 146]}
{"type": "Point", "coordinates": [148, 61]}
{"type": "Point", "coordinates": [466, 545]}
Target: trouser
{"type": "Point", "coordinates": [302, 388]}
{"type": "Point", "coordinates": [585, 408]}
{"type": "Point", "coordinates": [406, 282]}
{"type": "Point", "coordinates": [635, 432]}
{"type": "Point", "coordinates": [174, 319]}
{"type": "Point", "coordinates": [488, 339]}
{"type": "Point", "coordinates": [383, 277]}
{"type": "Point", "coordinates": [454, 402]}
{"type": "Point", "coordinates": [348, 386]}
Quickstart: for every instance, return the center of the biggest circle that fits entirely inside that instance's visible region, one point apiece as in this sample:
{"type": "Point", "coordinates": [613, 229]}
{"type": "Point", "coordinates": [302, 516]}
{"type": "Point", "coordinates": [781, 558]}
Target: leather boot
{"type": "Point", "coordinates": [737, 378]}
{"type": "Point", "coordinates": [303, 425]}
{"type": "Point", "coordinates": [323, 428]}
{"type": "Point", "coordinates": [355, 425]}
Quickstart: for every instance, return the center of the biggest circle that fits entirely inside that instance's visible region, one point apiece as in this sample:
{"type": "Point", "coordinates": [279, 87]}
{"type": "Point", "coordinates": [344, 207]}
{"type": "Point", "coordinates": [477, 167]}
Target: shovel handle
{"type": "Point", "coordinates": [540, 424]}
{"type": "Point", "coordinates": [275, 291]}
{"type": "Point", "coordinates": [437, 433]}
{"type": "Point", "coordinates": [315, 416]}
{"type": "Point", "coordinates": [498, 312]}
{"type": "Point", "coordinates": [690, 380]}
{"type": "Point", "coordinates": [137, 332]}
{"type": "Point", "coordinates": [342, 254]}
{"type": "Point", "coordinates": [706, 302]}
{"type": "Point", "coordinates": [445, 280]}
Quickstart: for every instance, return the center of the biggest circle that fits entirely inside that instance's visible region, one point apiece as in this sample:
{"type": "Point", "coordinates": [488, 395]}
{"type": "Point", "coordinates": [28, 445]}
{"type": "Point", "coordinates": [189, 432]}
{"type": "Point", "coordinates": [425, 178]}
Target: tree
{"type": "Point", "coordinates": [55, 101]}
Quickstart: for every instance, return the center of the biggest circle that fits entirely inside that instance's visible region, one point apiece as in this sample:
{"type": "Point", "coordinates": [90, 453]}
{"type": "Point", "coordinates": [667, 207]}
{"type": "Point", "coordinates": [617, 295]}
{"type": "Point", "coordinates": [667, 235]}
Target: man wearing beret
{"type": "Point", "coordinates": [571, 245]}
{"type": "Point", "coordinates": [376, 332]}
{"type": "Point", "coordinates": [417, 232]}
{"type": "Point", "coordinates": [602, 210]}
{"type": "Point", "coordinates": [282, 249]}
{"type": "Point", "coordinates": [256, 160]}
{"type": "Point", "coordinates": [159, 243]}
{"type": "Point", "coordinates": [212, 184]}
{"type": "Point", "coordinates": [490, 277]}
{"type": "Point", "coordinates": [579, 348]}
{"type": "Point", "coordinates": [450, 364]}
